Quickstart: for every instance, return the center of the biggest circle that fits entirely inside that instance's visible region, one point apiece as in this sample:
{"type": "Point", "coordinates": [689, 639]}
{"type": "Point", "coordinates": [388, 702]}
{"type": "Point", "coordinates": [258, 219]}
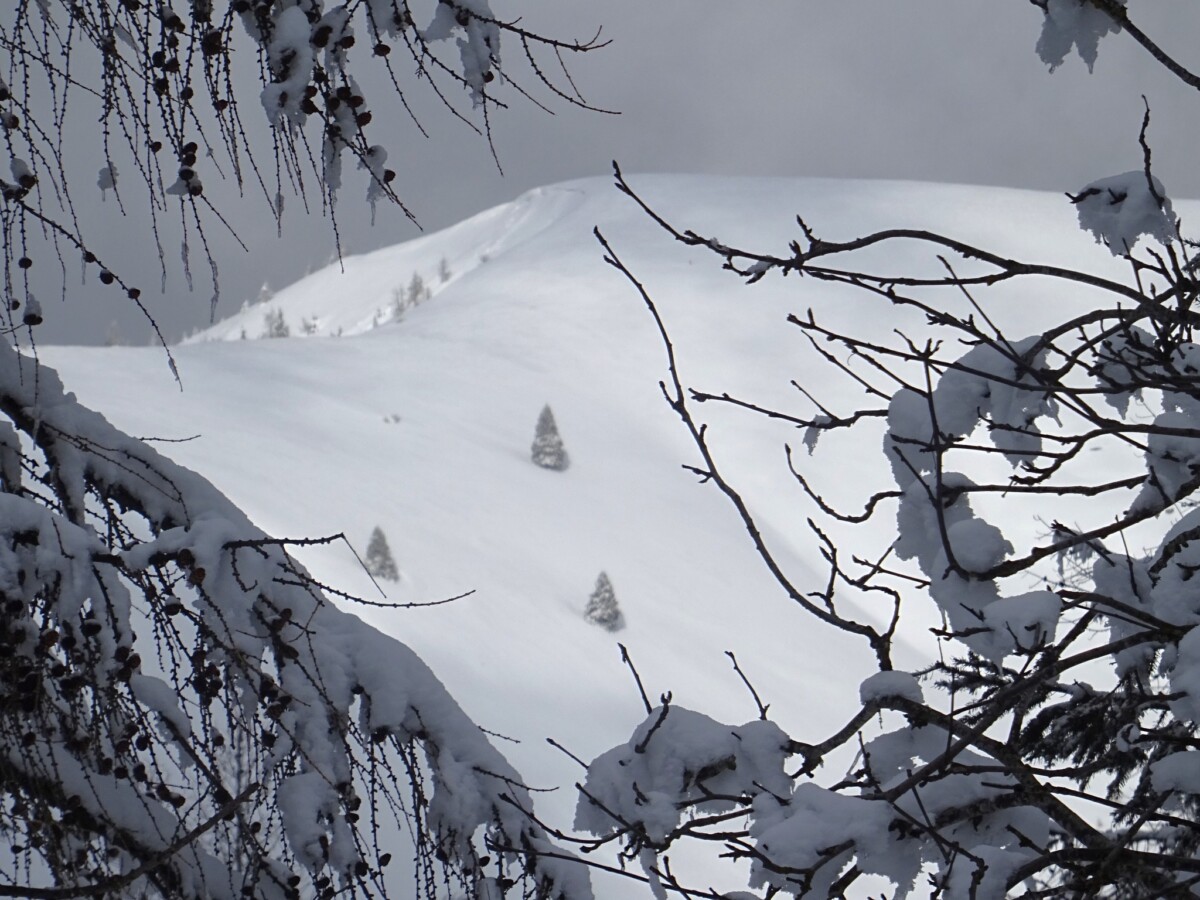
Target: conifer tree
{"type": "Point", "coordinates": [547, 450]}
{"type": "Point", "coordinates": [602, 608]}
{"type": "Point", "coordinates": [418, 292]}
{"type": "Point", "coordinates": [274, 325]}
{"type": "Point", "coordinates": [379, 561]}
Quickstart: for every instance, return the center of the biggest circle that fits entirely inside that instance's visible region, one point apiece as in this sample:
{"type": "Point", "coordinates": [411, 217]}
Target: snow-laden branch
{"type": "Point", "coordinates": [173, 114]}
{"type": "Point", "coordinates": [163, 657]}
{"type": "Point", "coordinates": [1004, 769]}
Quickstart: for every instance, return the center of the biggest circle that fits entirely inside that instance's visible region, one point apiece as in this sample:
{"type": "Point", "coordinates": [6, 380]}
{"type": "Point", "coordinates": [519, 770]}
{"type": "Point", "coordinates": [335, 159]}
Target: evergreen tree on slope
{"type": "Point", "coordinates": [547, 450]}
{"type": "Point", "coordinates": [379, 561]}
{"type": "Point", "coordinates": [274, 325]}
{"type": "Point", "coordinates": [602, 608]}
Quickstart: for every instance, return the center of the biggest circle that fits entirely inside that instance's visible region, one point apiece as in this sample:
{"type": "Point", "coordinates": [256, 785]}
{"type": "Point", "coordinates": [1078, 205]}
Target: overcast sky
{"type": "Point", "coordinates": [944, 90]}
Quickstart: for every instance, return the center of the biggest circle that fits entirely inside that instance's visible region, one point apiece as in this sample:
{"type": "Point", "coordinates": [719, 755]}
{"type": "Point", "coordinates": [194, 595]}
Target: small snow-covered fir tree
{"type": "Point", "coordinates": [274, 325]}
{"type": "Point", "coordinates": [379, 561]}
{"type": "Point", "coordinates": [548, 450]}
{"type": "Point", "coordinates": [602, 608]}
{"type": "Point", "coordinates": [418, 291]}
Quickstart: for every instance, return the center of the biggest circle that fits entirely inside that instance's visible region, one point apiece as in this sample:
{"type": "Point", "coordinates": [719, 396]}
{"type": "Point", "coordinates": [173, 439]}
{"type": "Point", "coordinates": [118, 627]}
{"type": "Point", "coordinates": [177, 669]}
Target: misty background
{"type": "Point", "coordinates": [932, 90]}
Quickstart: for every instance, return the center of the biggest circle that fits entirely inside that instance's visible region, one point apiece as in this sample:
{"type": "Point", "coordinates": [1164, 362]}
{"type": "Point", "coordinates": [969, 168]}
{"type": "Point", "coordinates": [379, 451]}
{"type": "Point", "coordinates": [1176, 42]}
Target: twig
{"type": "Point", "coordinates": [762, 707]}
{"type": "Point", "coordinates": [628, 660]}
{"type": "Point", "coordinates": [111, 885]}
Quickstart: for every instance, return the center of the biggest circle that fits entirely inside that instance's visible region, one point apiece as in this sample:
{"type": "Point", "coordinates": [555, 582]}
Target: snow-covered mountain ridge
{"type": "Point", "coordinates": [422, 426]}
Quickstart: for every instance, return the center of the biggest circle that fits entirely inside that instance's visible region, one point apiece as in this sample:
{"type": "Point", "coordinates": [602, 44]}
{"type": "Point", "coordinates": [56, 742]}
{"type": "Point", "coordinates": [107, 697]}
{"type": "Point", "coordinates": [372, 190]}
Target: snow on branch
{"type": "Point", "coordinates": [173, 114]}
{"type": "Point", "coordinates": [1077, 24]}
{"type": "Point", "coordinates": [162, 658]}
{"type": "Point", "coordinates": [999, 768]}
{"type": "Point", "coordinates": [1121, 209]}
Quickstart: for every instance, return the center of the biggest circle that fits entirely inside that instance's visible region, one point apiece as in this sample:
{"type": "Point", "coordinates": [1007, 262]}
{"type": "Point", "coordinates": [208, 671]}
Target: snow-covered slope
{"type": "Point", "coordinates": [422, 426]}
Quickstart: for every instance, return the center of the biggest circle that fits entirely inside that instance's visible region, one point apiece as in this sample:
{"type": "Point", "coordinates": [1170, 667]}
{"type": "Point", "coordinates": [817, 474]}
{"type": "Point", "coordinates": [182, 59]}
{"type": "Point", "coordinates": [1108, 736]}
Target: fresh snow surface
{"type": "Point", "coordinates": [422, 426]}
